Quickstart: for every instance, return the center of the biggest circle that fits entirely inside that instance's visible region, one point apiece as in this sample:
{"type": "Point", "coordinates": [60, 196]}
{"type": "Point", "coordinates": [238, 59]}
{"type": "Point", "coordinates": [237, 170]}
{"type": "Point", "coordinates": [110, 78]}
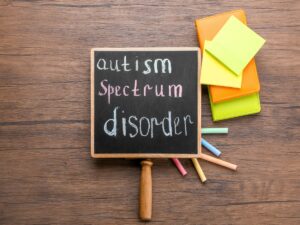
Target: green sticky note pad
{"type": "Point", "coordinates": [215, 73]}
{"type": "Point", "coordinates": [235, 45]}
{"type": "Point", "coordinates": [237, 107]}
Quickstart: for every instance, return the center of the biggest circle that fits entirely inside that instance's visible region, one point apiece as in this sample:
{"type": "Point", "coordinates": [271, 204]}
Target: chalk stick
{"type": "Point", "coordinates": [218, 161]}
{"type": "Point", "coordinates": [179, 166]}
{"type": "Point", "coordinates": [199, 170]}
{"type": "Point", "coordinates": [210, 147]}
{"type": "Point", "coordinates": [214, 130]}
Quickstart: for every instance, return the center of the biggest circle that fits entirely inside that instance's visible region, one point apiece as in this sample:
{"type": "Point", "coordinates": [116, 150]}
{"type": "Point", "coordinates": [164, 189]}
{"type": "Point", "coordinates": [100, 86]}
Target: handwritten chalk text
{"type": "Point", "coordinates": [169, 126]}
{"type": "Point", "coordinates": [147, 67]}
{"type": "Point", "coordinates": [158, 90]}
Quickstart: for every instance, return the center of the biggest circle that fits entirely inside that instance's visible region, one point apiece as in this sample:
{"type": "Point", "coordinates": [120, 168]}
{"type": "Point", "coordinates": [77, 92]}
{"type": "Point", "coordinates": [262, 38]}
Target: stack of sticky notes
{"type": "Point", "coordinates": [228, 67]}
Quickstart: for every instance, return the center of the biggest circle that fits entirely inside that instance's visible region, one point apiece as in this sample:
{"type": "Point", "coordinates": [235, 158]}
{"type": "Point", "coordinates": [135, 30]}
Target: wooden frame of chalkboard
{"type": "Point", "coordinates": [140, 154]}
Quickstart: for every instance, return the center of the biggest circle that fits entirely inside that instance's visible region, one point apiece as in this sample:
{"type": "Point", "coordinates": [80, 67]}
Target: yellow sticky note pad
{"type": "Point", "coordinates": [235, 45]}
{"type": "Point", "coordinates": [215, 73]}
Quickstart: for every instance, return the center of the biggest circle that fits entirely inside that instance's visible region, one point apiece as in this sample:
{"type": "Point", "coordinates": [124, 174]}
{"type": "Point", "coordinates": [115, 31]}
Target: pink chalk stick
{"type": "Point", "coordinates": [179, 166]}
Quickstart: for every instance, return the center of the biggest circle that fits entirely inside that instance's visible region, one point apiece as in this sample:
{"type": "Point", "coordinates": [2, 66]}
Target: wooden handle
{"type": "Point", "coordinates": [146, 191]}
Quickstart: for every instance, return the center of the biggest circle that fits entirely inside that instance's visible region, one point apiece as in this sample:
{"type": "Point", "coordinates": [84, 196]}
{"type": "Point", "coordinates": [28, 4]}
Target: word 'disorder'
{"type": "Point", "coordinates": [144, 126]}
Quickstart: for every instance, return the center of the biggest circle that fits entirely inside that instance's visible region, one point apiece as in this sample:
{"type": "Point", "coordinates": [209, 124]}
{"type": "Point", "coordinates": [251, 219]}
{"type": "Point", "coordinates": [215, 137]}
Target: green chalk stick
{"type": "Point", "coordinates": [214, 130]}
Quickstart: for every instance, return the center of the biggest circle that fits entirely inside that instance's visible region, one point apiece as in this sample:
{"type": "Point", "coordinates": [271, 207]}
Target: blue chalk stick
{"type": "Point", "coordinates": [211, 148]}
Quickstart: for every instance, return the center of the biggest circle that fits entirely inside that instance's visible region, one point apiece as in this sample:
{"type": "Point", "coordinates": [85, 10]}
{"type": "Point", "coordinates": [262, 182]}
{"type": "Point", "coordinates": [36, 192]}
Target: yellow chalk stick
{"type": "Point", "coordinates": [199, 170]}
{"type": "Point", "coordinates": [218, 161]}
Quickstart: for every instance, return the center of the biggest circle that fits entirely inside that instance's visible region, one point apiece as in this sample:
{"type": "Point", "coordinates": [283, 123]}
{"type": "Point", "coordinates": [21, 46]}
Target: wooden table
{"type": "Point", "coordinates": [46, 173]}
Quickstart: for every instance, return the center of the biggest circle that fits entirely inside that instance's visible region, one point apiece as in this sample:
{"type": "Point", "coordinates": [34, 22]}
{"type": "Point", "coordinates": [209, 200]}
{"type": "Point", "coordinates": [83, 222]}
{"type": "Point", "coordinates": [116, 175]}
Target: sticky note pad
{"type": "Point", "coordinates": [235, 45]}
{"type": "Point", "coordinates": [250, 85]}
{"type": "Point", "coordinates": [207, 28]}
{"type": "Point", "coordinates": [215, 73]}
{"type": "Point", "coordinates": [242, 106]}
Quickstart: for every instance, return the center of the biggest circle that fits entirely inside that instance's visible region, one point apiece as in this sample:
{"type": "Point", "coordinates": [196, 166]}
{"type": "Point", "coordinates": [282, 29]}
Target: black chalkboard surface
{"type": "Point", "coordinates": [145, 102]}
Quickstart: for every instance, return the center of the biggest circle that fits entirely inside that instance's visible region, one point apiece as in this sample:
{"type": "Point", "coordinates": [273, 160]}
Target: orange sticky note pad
{"type": "Point", "coordinates": [207, 28]}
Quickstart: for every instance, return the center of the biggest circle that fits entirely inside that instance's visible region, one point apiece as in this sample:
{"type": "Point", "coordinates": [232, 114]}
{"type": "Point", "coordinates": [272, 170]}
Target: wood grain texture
{"type": "Point", "coordinates": [46, 173]}
{"type": "Point", "coordinates": [146, 191]}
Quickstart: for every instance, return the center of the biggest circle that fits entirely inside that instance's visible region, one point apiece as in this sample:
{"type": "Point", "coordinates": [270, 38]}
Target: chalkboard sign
{"type": "Point", "coordinates": [145, 103]}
